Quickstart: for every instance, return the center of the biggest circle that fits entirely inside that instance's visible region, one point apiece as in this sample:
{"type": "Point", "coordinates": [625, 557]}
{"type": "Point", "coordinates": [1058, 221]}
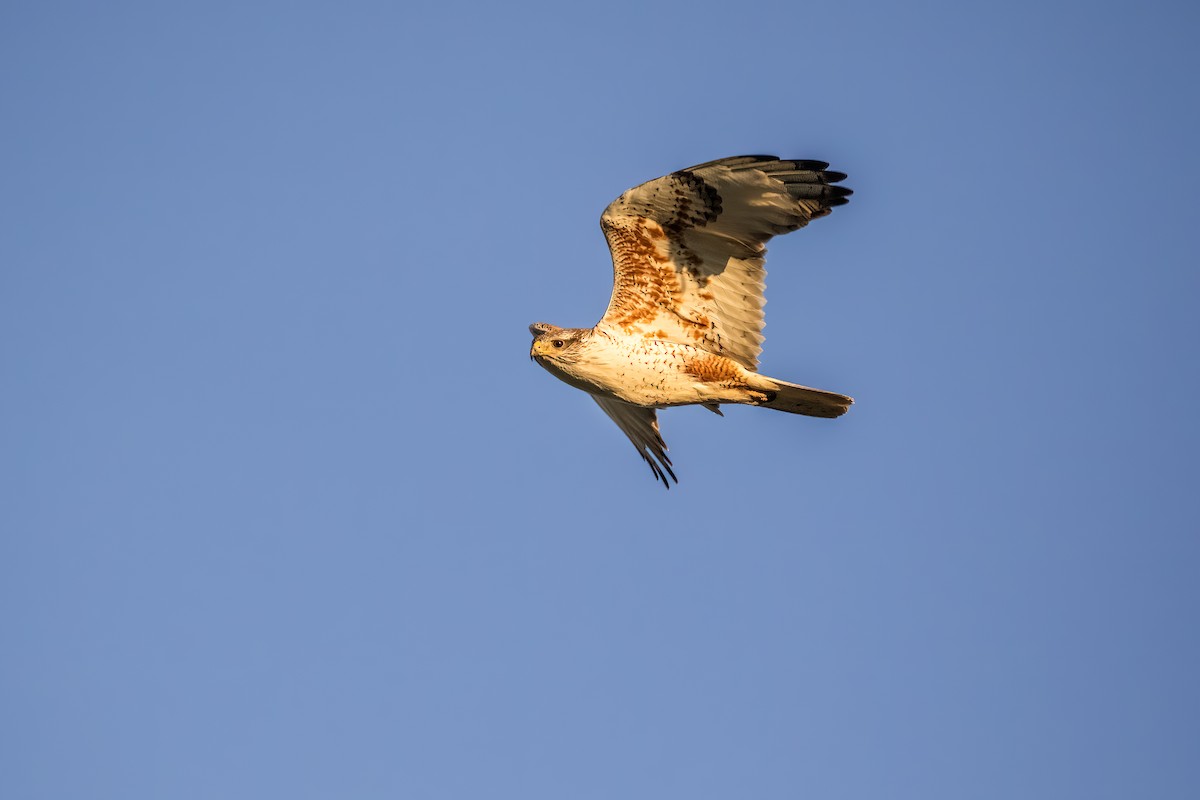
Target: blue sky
{"type": "Point", "coordinates": [289, 513]}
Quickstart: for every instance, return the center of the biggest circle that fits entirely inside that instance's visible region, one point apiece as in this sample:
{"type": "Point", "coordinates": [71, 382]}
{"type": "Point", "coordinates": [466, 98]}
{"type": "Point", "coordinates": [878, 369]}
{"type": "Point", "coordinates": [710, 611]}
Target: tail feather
{"type": "Point", "coordinates": [802, 400]}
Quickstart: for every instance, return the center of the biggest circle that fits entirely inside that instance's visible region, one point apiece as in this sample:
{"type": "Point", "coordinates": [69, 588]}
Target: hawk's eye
{"type": "Point", "coordinates": [558, 343]}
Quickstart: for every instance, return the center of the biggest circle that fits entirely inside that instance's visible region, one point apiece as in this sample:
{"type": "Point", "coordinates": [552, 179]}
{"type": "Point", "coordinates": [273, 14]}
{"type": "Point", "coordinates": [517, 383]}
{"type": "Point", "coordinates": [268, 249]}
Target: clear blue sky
{"type": "Point", "coordinates": [287, 512]}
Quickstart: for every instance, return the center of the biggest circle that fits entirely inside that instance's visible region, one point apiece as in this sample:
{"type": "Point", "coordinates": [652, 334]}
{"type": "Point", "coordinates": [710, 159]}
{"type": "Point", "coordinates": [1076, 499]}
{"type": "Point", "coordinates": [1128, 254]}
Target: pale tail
{"type": "Point", "coordinates": [802, 400]}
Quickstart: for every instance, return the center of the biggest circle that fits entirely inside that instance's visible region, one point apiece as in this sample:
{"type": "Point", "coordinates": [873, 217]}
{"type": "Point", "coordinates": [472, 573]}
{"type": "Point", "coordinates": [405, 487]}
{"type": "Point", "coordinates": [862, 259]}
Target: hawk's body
{"type": "Point", "coordinates": [651, 372]}
{"type": "Point", "coordinates": [684, 324]}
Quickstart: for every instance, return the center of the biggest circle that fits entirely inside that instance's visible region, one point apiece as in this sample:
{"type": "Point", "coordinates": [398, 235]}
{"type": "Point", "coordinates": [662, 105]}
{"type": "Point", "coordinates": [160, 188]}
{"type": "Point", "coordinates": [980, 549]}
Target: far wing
{"type": "Point", "coordinates": [688, 248]}
{"type": "Point", "coordinates": [641, 426]}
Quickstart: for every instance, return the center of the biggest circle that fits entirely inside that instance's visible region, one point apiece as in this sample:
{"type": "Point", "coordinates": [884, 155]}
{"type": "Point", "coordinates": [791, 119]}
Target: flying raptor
{"type": "Point", "coordinates": [684, 323]}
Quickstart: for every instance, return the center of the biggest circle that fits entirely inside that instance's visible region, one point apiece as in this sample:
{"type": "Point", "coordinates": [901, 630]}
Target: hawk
{"type": "Point", "coordinates": [684, 323]}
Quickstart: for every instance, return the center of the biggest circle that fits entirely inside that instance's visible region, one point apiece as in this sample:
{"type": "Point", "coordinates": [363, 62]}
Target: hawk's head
{"type": "Point", "coordinates": [552, 343]}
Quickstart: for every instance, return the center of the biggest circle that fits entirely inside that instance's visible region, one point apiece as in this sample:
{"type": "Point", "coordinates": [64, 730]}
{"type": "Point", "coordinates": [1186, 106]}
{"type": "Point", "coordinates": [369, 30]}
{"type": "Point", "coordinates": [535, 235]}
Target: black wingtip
{"type": "Point", "coordinates": [661, 470]}
{"type": "Point", "coordinates": [808, 163]}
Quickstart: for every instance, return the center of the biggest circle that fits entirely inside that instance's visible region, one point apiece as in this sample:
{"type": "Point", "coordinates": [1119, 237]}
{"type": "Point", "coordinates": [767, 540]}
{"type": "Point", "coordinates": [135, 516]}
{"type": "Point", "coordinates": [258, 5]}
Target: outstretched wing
{"type": "Point", "coordinates": [688, 248]}
{"type": "Point", "coordinates": [641, 426]}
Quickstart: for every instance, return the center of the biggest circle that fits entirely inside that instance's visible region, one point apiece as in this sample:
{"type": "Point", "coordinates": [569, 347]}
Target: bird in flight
{"type": "Point", "coordinates": [684, 323]}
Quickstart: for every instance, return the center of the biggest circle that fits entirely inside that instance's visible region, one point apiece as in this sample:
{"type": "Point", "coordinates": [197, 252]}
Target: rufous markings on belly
{"type": "Point", "coordinates": [714, 369]}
